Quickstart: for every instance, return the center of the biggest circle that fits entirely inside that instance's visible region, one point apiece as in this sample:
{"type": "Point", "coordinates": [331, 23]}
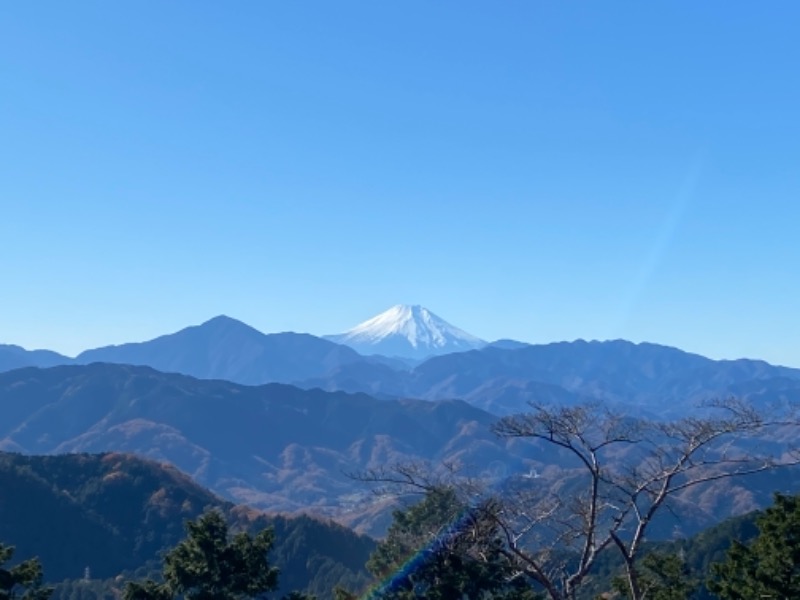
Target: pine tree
{"type": "Point", "coordinates": [212, 565]}
{"type": "Point", "coordinates": [661, 577]}
{"type": "Point", "coordinates": [23, 581]}
{"type": "Point", "coordinates": [439, 549]}
{"type": "Point", "coordinates": [770, 566]}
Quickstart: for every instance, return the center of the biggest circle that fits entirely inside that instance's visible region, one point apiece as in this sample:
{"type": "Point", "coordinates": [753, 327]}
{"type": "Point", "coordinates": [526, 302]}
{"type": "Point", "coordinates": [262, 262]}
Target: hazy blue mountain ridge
{"type": "Point", "coordinates": [280, 447]}
{"type": "Point", "coordinates": [274, 446]}
{"type": "Point", "coordinates": [500, 378]}
{"type": "Point", "coordinates": [224, 348]}
{"type": "Point", "coordinates": [15, 357]}
{"type": "Point", "coordinates": [656, 380]}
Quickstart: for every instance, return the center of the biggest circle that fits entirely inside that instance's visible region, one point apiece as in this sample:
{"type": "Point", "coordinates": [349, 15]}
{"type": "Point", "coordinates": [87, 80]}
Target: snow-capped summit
{"type": "Point", "coordinates": [409, 332]}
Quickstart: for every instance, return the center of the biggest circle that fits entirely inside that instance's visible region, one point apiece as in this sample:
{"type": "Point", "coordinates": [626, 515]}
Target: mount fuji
{"type": "Point", "coordinates": [407, 332]}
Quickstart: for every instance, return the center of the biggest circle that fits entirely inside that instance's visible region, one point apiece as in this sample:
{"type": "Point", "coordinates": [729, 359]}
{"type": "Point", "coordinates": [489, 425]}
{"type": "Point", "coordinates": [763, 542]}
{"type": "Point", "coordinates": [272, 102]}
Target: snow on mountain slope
{"type": "Point", "coordinates": [407, 331]}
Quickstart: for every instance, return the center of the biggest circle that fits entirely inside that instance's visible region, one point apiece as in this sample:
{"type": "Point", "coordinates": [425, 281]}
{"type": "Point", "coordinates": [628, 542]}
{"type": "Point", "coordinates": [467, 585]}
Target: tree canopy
{"type": "Point", "coordinates": [769, 567]}
{"type": "Point", "coordinates": [662, 576]}
{"type": "Point", "coordinates": [211, 564]}
{"type": "Point", "coordinates": [23, 581]}
{"type": "Point", "coordinates": [608, 476]}
{"type": "Point", "coordinates": [441, 549]}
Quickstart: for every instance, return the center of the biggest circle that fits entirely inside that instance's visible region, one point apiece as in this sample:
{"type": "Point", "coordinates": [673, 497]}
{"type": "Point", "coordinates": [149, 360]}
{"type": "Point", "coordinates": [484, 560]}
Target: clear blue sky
{"type": "Point", "coordinates": [535, 170]}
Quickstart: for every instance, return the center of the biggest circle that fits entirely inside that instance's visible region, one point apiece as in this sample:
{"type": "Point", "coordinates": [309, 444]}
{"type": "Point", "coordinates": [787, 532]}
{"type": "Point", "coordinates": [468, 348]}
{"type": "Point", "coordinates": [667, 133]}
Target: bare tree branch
{"type": "Point", "coordinates": [610, 476]}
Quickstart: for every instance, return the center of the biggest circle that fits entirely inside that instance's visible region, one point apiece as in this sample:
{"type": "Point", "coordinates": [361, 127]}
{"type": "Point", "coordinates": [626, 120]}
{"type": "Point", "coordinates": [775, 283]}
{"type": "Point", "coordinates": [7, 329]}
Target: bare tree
{"type": "Point", "coordinates": [623, 472]}
{"type": "Point", "coordinates": [610, 475]}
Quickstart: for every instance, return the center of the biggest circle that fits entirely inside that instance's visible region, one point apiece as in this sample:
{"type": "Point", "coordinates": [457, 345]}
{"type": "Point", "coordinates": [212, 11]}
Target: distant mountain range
{"type": "Point", "coordinates": [215, 401]}
{"type": "Point", "coordinates": [15, 357]}
{"type": "Point", "coordinates": [221, 348]}
{"type": "Point", "coordinates": [500, 378]}
{"type": "Point", "coordinates": [224, 348]}
{"type": "Point", "coordinates": [273, 446]}
{"type": "Point", "coordinates": [279, 447]}
{"type": "Point", "coordinates": [652, 380]}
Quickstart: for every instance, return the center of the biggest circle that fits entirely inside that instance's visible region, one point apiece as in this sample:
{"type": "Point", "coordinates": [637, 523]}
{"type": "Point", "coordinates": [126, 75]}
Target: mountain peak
{"type": "Point", "coordinates": [223, 321]}
{"type": "Point", "coordinates": [407, 330]}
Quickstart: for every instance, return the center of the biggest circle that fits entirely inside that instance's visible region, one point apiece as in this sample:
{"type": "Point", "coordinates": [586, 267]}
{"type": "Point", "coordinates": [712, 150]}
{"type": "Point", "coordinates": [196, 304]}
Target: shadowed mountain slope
{"type": "Point", "coordinates": [273, 446]}
{"type": "Point", "coordinates": [279, 447]}
{"type": "Point", "coordinates": [115, 512]}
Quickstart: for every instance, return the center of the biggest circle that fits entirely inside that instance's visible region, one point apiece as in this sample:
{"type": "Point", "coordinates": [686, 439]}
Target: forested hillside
{"type": "Point", "coordinates": [115, 513]}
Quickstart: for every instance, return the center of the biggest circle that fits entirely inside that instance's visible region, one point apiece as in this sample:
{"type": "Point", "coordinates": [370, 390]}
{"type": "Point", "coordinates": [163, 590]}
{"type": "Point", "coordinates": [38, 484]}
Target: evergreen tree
{"type": "Point", "coordinates": [440, 549]}
{"type": "Point", "coordinates": [342, 594]}
{"type": "Point", "coordinates": [210, 564]}
{"type": "Point", "coordinates": [661, 577]}
{"type": "Point", "coordinates": [770, 566]}
{"type": "Point", "coordinates": [23, 581]}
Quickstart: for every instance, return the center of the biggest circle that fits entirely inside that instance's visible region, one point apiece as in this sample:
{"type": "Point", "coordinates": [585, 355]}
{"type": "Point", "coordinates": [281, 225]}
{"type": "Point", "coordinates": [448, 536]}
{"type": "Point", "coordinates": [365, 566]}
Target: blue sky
{"type": "Point", "coordinates": [535, 170]}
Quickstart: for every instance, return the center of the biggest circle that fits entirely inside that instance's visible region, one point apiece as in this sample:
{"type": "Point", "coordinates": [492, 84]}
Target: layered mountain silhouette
{"type": "Point", "coordinates": [651, 379]}
{"type": "Point", "coordinates": [224, 348]}
{"type": "Point", "coordinates": [15, 357]}
{"type": "Point", "coordinates": [220, 348]}
{"type": "Point", "coordinates": [501, 378]}
{"type": "Point", "coordinates": [273, 446]}
{"type": "Point", "coordinates": [279, 447]}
